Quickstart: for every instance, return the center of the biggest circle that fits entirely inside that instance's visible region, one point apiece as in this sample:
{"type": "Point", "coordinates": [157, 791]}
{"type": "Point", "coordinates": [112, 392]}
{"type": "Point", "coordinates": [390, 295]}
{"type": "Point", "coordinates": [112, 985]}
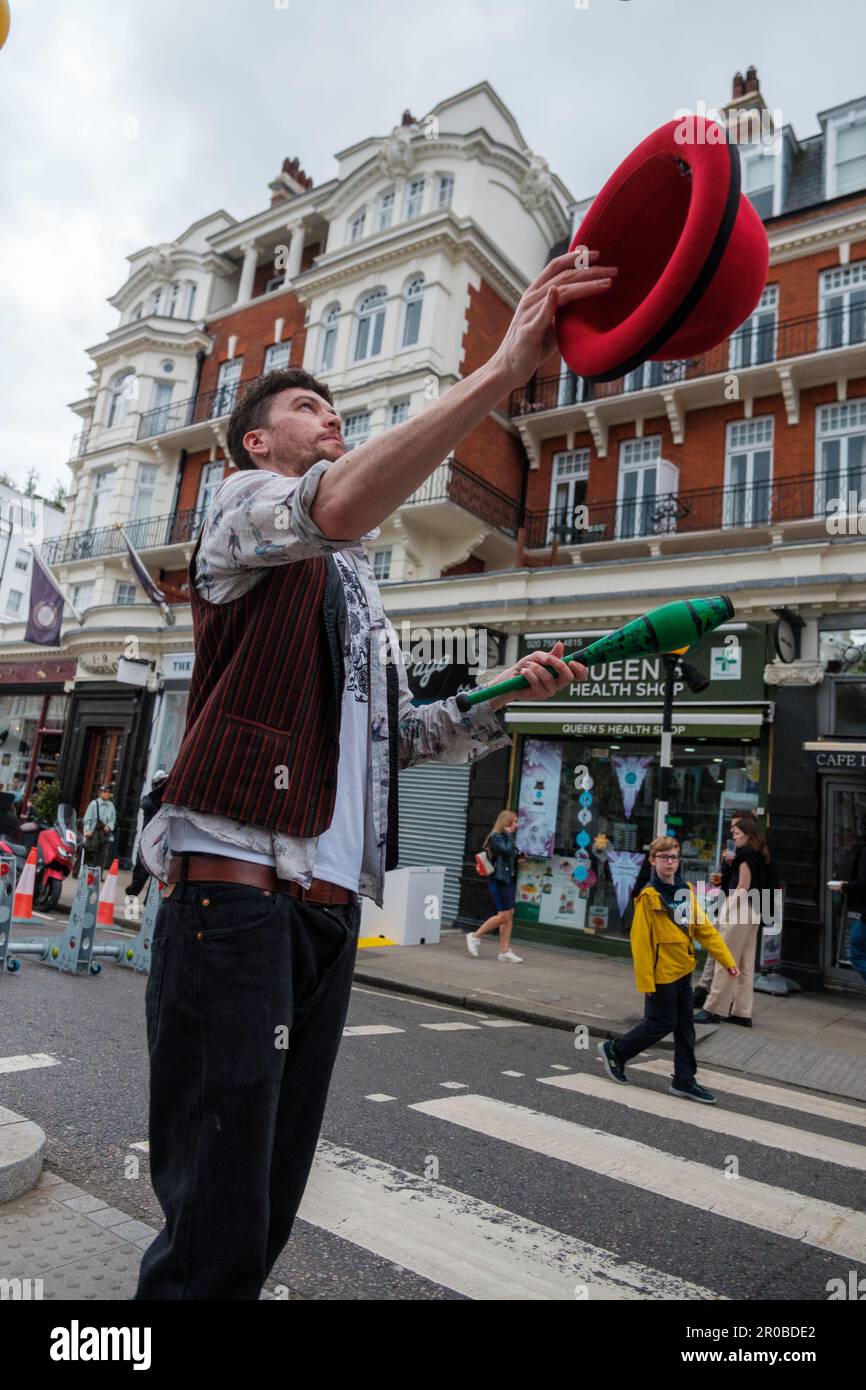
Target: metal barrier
{"type": "Point", "coordinates": [75, 950]}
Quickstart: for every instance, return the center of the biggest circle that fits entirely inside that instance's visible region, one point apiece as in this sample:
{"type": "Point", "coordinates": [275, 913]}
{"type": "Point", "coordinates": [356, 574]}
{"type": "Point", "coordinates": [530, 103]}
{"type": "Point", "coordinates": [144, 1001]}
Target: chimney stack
{"type": "Point", "coordinates": [408, 119]}
{"type": "Point", "coordinates": [290, 182]}
{"type": "Point", "coordinates": [739, 87]}
{"type": "Point", "coordinates": [752, 83]}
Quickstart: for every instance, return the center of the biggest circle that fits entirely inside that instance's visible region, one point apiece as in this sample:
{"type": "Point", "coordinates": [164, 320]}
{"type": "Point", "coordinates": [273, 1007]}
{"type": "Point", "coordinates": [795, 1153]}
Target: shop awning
{"type": "Point", "coordinates": [740, 722]}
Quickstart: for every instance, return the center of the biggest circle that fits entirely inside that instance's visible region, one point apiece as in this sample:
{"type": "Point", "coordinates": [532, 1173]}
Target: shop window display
{"type": "Point", "coordinates": [586, 816]}
{"type": "Point", "coordinates": [31, 731]}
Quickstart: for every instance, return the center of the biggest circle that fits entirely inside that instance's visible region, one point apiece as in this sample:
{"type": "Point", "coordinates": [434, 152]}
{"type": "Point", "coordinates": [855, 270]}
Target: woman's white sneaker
{"type": "Point", "coordinates": [473, 945]}
{"type": "Point", "coordinates": [509, 955]}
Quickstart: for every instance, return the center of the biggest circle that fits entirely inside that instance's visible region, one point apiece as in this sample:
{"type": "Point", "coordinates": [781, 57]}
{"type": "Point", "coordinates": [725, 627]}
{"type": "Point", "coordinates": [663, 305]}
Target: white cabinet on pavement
{"type": "Point", "coordinates": [411, 912]}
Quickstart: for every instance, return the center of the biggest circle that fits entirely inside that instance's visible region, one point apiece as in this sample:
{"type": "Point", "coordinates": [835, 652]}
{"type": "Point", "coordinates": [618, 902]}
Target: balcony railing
{"type": "Point", "coordinates": [148, 533]}
{"type": "Point", "coordinates": [196, 410]}
{"type": "Point", "coordinates": [750, 346]}
{"type": "Point", "coordinates": [79, 444]}
{"type": "Point", "coordinates": [451, 482]}
{"type": "Point", "coordinates": [761, 503]}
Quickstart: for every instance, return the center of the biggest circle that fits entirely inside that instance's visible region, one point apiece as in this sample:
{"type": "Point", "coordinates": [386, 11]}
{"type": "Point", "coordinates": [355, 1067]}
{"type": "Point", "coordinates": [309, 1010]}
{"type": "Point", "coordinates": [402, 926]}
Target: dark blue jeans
{"type": "Point", "coordinates": [245, 1006]}
{"type": "Point", "coordinates": [669, 1010]}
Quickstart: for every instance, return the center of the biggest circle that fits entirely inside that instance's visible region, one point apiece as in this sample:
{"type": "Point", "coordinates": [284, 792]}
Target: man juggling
{"type": "Point", "coordinates": [280, 812]}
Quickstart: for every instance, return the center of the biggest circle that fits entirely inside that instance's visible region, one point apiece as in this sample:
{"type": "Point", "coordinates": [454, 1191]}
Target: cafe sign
{"type": "Point", "coordinates": [837, 759]}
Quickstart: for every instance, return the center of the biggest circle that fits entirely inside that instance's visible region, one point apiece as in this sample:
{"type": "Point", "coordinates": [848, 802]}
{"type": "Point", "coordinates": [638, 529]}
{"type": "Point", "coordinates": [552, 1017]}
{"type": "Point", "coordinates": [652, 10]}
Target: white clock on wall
{"type": "Point", "coordinates": [786, 640]}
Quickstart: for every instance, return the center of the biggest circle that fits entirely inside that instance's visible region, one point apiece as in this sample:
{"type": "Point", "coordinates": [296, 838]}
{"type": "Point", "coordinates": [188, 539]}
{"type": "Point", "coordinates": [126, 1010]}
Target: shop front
{"type": "Point", "coordinates": [838, 756]}
{"type": "Point", "coordinates": [587, 779]}
{"type": "Point", "coordinates": [33, 710]}
{"type": "Point", "coordinates": [106, 740]}
{"type": "Point", "coordinates": [169, 718]}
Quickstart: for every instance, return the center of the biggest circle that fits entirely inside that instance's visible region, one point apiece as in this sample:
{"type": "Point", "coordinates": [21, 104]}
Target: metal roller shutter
{"type": "Point", "coordinates": [433, 801]}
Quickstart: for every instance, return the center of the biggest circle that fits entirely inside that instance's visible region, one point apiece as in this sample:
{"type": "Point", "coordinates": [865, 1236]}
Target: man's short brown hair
{"type": "Point", "coordinates": [253, 411]}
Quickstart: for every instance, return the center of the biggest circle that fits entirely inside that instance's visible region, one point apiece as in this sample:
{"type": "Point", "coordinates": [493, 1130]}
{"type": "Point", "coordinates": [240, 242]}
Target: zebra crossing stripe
{"type": "Point", "coordinates": [769, 1095]}
{"type": "Point", "coordinates": [452, 1027]}
{"type": "Point", "coordinates": [464, 1244]}
{"type": "Point", "coordinates": [363, 1030]}
{"type": "Point", "coordinates": [27, 1061]}
{"type": "Point", "coordinates": [825, 1225]}
{"type": "Point", "coordinates": [717, 1120]}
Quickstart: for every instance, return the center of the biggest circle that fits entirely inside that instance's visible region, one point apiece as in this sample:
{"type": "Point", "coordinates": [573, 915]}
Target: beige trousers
{"type": "Point", "coordinates": [738, 925]}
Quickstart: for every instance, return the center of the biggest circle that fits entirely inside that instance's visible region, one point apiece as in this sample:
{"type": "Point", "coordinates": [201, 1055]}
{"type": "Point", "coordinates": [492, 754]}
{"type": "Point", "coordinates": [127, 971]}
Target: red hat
{"type": "Point", "coordinates": [691, 250]}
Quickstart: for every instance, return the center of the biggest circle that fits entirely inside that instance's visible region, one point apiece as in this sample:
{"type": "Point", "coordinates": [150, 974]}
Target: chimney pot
{"type": "Point", "coordinates": [739, 86]}
{"type": "Point", "coordinates": [752, 83]}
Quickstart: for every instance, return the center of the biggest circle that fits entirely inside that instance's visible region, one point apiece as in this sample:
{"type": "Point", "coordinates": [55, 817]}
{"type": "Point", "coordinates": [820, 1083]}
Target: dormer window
{"type": "Point", "coordinates": [846, 154]}
{"type": "Point", "coordinates": [759, 181]}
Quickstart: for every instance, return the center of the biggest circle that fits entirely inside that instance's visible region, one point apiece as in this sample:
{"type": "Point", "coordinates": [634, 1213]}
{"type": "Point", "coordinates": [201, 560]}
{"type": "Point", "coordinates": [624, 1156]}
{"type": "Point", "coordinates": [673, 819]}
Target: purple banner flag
{"type": "Point", "coordinates": [154, 593]}
{"type": "Point", "coordinates": [46, 607]}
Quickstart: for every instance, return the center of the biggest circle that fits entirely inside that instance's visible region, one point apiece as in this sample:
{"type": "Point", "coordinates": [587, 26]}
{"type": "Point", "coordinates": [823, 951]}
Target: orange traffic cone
{"type": "Point", "coordinates": [107, 898]}
{"type": "Point", "coordinates": [22, 908]}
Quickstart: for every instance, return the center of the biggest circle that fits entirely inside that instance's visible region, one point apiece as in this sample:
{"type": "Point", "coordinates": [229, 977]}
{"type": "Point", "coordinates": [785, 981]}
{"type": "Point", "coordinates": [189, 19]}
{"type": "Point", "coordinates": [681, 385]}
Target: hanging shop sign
{"type": "Point", "coordinates": [733, 662]}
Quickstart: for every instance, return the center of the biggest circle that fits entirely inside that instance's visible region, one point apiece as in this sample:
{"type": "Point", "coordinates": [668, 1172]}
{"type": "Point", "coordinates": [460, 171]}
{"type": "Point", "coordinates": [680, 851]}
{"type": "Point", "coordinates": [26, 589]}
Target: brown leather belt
{"type": "Point", "coordinates": [217, 868]}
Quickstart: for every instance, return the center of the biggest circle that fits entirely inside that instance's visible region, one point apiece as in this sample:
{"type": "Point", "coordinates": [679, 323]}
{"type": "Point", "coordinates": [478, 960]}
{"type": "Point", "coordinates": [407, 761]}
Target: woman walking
{"type": "Point", "coordinates": [502, 883]}
{"type": "Point", "coordinates": [747, 874]}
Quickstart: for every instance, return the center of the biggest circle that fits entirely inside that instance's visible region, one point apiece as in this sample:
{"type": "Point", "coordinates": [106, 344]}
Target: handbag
{"type": "Point", "coordinates": [100, 833]}
{"type": "Point", "coordinates": [483, 866]}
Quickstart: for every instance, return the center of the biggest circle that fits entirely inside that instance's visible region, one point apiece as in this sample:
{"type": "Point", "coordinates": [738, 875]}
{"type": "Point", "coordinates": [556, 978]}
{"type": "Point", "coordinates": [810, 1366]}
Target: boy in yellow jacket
{"type": "Point", "coordinates": [666, 921]}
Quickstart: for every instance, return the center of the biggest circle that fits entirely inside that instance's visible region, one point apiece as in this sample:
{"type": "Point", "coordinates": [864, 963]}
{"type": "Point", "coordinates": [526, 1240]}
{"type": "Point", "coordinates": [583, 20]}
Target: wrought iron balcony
{"type": "Point", "coordinates": [147, 533]}
{"type": "Point", "coordinates": [196, 410]}
{"type": "Point", "coordinates": [452, 482]}
{"type": "Point", "coordinates": [751, 346]}
{"type": "Point", "coordinates": [809, 496]}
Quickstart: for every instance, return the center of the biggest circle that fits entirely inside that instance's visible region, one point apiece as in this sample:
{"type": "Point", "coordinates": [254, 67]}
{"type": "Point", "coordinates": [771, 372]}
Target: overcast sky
{"type": "Point", "coordinates": [122, 121]}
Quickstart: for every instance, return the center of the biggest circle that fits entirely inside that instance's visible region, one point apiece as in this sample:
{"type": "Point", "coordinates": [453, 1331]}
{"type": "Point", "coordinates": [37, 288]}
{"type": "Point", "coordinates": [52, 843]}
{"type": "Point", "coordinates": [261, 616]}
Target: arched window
{"type": "Point", "coordinates": [122, 392]}
{"type": "Point", "coordinates": [413, 299]}
{"type": "Point", "coordinates": [330, 323]}
{"type": "Point", "coordinates": [371, 324]}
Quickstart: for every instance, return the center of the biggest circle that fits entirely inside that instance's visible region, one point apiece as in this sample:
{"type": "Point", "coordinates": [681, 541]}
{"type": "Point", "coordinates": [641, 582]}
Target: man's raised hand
{"type": "Point", "coordinates": [530, 336]}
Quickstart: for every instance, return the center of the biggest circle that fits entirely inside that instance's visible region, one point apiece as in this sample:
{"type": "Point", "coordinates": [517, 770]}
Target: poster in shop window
{"type": "Point", "coordinates": [548, 893]}
{"type": "Point", "coordinates": [539, 797]}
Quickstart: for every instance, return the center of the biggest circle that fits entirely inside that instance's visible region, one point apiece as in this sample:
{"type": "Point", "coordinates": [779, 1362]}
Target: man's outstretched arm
{"type": "Point", "coordinates": [362, 489]}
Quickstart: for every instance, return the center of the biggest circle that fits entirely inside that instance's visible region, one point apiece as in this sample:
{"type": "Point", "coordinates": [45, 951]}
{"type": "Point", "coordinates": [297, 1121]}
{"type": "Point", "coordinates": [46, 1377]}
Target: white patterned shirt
{"type": "Point", "coordinates": [257, 519]}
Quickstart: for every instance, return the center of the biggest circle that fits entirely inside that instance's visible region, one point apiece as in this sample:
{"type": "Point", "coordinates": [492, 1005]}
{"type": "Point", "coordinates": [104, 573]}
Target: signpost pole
{"type": "Point", "coordinates": [666, 758]}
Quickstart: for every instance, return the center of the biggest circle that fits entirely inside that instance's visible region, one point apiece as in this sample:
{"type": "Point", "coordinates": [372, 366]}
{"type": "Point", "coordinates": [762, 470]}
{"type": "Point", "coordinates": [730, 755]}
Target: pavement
{"type": "Point", "coordinates": [85, 1248]}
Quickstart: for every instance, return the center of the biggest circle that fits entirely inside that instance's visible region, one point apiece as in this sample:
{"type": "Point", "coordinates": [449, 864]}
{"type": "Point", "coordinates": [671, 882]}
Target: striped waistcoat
{"type": "Point", "coordinates": [265, 695]}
